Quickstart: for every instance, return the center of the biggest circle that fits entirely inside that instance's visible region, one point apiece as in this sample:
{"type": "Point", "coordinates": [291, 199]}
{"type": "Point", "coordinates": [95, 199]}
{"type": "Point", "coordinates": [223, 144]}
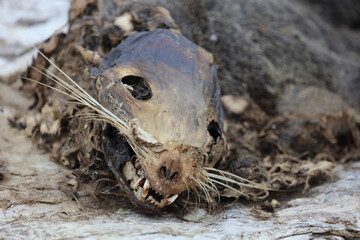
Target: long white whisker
{"type": "Point", "coordinates": [250, 185]}
{"type": "Point", "coordinates": [208, 182]}
{"type": "Point", "coordinates": [227, 186]}
{"type": "Point", "coordinates": [84, 98]}
{"type": "Point", "coordinates": [53, 88]}
{"type": "Point", "coordinates": [61, 82]}
{"type": "Point", "coordinates": [214, 188]}
{"type": "Point", "coordinates": [76, 95]}
{"type": "Point", "coordinates": [205, 190]}
{"type": "Point", "coordinates": [89, 98]}
{"type": "Point", "coordinates": [69, 78]}
{"type": "Point", "coordinates": [233, 175]}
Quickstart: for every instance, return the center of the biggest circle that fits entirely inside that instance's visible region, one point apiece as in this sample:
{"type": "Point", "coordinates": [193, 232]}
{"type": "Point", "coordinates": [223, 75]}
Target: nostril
{"type": "Point", "coordinates": [162, 172]}
{"type": "Point", "coordinates": [167, 174]}
{"type": "Point", "coordinates": [173, 176]}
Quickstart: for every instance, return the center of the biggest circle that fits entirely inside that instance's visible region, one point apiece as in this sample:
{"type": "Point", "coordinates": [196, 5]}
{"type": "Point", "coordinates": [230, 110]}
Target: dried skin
{"type": "Point", "coordinates": [291, 149]}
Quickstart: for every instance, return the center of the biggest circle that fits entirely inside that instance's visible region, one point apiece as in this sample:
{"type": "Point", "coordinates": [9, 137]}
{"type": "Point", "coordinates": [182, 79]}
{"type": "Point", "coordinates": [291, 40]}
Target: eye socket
{"type": "Point", "coordinates": [215, 131]}
{"type": "Point", "coordinates": [138, 87]}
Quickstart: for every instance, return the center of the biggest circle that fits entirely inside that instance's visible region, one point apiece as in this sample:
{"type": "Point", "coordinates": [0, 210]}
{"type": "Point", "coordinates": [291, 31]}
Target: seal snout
{"type": "Point", "coordinates": [171, 173]}
{"type": "Point", "coordinates": [170, 169]}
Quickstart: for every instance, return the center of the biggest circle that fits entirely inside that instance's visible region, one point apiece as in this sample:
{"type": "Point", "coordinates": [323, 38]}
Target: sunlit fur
{"type": "Point", "coordinates": [206, 179]}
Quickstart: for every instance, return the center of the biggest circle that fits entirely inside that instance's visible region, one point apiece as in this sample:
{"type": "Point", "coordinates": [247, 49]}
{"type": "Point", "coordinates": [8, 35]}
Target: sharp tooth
{"type": "Point", "coordinates": [146, 188]}
{"type": "Point", "coordinates": [138, 194]}
{"type": "Point", "coordinates": [138, 182]}
{"type": "Point", "coordinates": [168, 201]}
{"type": "Point", "coordinates": [152, 200]}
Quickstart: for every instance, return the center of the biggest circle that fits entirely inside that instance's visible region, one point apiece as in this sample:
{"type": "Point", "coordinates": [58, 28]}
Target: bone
{"type": "Point", "coordinates": [151, 199]}
{"type": "Point", "coordinates": [138, 194]}
{"type": "Point", "coordinates": [138, 182]}
{"type": "Point", "coordinates": [168, 201]}
{"type": "Point", "coordinates": [146, 188]}
{"type": "Point", "coordinates": [127, 171]}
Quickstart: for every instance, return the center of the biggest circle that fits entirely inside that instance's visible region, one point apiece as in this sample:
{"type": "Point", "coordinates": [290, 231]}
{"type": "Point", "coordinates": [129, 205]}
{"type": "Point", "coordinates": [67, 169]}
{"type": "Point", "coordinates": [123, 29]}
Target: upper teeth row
{"type": "Point", "coordinates": [137, 177]}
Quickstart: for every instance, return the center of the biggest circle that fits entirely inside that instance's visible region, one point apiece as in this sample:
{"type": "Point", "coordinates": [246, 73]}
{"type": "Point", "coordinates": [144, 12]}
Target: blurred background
{"type": "Point", "coordinates": [23, 25]}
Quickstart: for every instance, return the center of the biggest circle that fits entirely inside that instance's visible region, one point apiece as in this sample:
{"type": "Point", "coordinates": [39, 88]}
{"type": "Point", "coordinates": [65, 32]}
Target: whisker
{"type": "Point", "coordinates": [53, 88]}
{"type": "Point", "coordinates": [250, 185]}
{"type": "Point", "coordinates": [208, 184]}
{"type": "Point", "coordinates": [78, 99]}
{"type": "Point", "coordinates": [87, 97]}
{"type": "Point", "coordinates": [215, 188]}
{"type": "Point", "coordinates": [204, 189]}
{"type": "Point", "coordinates": [69, 78]}
{"type": "Point", "coordinates": [235, 176]}
{"type": "Point", "coordinates": [198, 198]}
{"type": "Point", "coordinates": [227, 186]}
{"type": "Point", "coordinates": [85, 115]}
{"type": "Point", "coordinates": [78, 94]}
{"type": "Point", "coordinates": [59, 81]}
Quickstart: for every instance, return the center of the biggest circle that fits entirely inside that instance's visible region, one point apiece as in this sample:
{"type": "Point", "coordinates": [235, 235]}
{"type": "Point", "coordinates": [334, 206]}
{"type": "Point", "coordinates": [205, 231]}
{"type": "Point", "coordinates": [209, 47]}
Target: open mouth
{"type": "Point", "coordinates": [141, 187]}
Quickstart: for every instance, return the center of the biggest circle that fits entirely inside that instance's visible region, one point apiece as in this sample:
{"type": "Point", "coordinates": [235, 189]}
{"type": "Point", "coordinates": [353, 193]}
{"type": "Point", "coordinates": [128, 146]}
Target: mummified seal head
{"type": "Point", "coordinates": [167, 90]}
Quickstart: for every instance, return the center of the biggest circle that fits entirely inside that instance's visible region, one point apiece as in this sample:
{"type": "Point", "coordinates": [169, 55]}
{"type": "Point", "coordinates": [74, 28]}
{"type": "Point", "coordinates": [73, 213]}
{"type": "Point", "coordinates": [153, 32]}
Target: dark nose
{"type": "Point", "coordinates": [169, 171]}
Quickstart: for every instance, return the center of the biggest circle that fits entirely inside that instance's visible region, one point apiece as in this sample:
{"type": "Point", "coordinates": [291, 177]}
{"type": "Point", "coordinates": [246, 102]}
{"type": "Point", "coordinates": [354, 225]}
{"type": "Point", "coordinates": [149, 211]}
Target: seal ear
{"type": "Point", "coordinates": [215, 132]}
{"type": "Point", "coordinates": [218, 147]}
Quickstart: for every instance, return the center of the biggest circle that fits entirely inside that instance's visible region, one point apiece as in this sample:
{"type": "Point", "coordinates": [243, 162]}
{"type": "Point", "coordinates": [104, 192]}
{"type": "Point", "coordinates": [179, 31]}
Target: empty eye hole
{"type": "Point", "coordinates": [138, 87]}
{"type": "Point", "coordinates": [215, 131]}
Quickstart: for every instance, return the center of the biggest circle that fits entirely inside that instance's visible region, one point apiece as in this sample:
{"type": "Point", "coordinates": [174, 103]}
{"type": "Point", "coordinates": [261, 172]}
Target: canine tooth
{"type": "Point", "coordinates": [146, 188]}
{"type": "Point", "coordinates": [138, 194]}
{"type": "Point", "coordinates": [138, 182]}
{"type": "Point", "coordinates": [168, 201]}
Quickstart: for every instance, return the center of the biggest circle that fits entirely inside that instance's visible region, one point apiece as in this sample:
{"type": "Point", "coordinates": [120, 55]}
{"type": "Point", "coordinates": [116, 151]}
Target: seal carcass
{"type": "Point", "coordinates": [167, 89]}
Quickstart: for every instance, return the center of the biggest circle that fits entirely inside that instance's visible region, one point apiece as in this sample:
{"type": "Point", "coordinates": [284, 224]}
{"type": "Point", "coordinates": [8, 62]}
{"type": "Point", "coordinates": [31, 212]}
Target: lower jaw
{"type": "Point", "coordinates": [141, 188]}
